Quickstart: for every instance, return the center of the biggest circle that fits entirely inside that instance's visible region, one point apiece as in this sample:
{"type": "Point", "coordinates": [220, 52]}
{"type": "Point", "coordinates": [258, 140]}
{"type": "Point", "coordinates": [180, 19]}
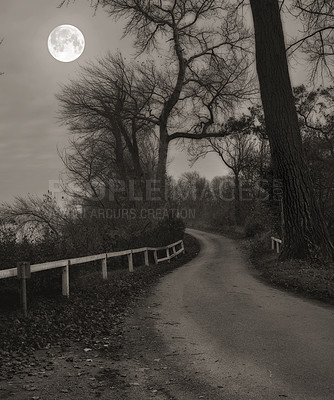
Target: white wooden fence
{"type": "Point", "coordinates": [276, 243]}
{"type": "Point", "coordinates": [172, 250]}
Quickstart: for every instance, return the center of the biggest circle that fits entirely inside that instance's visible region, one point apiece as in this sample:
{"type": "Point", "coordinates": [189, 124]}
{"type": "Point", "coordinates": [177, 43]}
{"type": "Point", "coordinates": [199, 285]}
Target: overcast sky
{"type": "Point", "coordinates": [30, 133]}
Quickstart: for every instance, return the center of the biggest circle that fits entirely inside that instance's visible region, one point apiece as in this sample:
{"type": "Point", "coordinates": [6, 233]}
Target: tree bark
{"type": "Point", "coordinates": [305, 233]}
{"type": "Point", "coordinates": [119, 153]}
{"type": "Point", "coordinates": [169, 104]}
{"type": "Point", "coordinates": [132, 146]}
{"type": "Point", "coordinates": [237, 205]}
{"type": "Point", "coordinates": [161, 175]}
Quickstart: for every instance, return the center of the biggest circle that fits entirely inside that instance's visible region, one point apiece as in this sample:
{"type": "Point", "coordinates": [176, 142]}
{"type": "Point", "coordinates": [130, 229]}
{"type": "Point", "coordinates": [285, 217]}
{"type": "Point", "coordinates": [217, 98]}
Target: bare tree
{"type": "Point", "coordinates": [33, 212]}
{"type": "Point", "coordinates": [316, 111]}
{"type": "Point", "coordinates": [205, 47]}
{"type": "Point", "coordinates": [181, 23]}
{"type": "Point", "coordinates": [316, 41]}
{"type": "Point", "coordinates": [93, 173]}
{"type": "Point", "coordinates": [105, 109]}
{"type": "Point", "coordinates": [192, 192]}
{"type": "Point", "coordinates": [90, 169]}
{"type": "Point", "coordinates": [237, 151]}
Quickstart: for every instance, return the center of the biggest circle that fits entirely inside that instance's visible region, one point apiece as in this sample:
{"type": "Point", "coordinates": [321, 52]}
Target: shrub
{"type": "Point", "coordinates": [82, 237]}
{"type": "Point", "coordinates": [166, 231]}
{"type": "Point", "coordinates": [8, 246]}
{"type": "Point", "coordinates": [253, 228]}
{"type": "Point", "coordinates": [259, 220]}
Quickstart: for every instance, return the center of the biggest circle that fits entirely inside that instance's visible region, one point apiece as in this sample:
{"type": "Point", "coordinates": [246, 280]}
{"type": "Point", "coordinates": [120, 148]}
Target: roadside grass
{"type": "Point", "coordinates": [298, 276]}
{"type": "Point", "coordinates": [93, 312]}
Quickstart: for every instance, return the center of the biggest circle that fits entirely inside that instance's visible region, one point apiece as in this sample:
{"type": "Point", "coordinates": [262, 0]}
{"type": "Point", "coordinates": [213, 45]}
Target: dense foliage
{"type": "Point", "coordinates": [80, 236]}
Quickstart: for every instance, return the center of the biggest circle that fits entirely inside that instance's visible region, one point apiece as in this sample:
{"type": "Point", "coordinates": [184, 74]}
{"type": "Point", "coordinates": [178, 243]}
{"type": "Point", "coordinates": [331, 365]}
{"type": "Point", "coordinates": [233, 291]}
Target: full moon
{"type": "Point", "coordinates": [66, 43]}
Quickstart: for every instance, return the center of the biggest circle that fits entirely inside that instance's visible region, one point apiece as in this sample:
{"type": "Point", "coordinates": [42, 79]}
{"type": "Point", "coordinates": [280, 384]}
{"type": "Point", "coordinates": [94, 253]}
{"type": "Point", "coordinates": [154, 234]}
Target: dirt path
{"type": "Point", "coordinates": [208, 330]}
{"type": "Point", "coordinates": [250, 340]}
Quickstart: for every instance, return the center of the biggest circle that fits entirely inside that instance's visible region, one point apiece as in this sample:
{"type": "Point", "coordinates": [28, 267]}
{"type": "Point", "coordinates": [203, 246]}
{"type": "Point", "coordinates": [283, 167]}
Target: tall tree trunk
{"type": "Point", "coordinates": [119, 150]}
{"type": "Point", "coordinates": [161, 175]}
{"type": "Point", "coordinates": [169, 104]}
{"type": "Point", "coordinates": [237, 205]}
{"type": "Point", "coordinates": [139, 173]}
{"type": "Point", "coordinates": [137, 176]}
{"type": "Point", "coordinates": [120, 163]}
{"type": "Point", "coordinates": [305, 233]}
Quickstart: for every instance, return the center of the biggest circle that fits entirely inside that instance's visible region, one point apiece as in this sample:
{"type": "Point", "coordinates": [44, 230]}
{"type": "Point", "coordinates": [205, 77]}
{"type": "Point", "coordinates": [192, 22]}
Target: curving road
{"type": "Point", "coordinates": [235, 333]}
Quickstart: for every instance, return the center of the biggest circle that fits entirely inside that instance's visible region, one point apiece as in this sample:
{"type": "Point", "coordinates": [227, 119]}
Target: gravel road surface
{"type": "Point", "coordinates": [237, 334]}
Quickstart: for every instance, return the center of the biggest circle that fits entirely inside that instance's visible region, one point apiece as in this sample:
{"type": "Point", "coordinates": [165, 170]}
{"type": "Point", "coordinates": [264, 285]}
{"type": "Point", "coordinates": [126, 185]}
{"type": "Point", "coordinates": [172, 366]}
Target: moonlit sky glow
{"type": "Point", "coordinates": [30, 133]}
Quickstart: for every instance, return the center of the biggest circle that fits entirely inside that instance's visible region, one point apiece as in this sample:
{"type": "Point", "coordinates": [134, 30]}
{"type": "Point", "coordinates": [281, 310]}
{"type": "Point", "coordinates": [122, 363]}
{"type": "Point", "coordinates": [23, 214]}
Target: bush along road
{"type": "Point", "coordinates": [311, 280]}
{"type": "Point", "coordinates": [64, 346]}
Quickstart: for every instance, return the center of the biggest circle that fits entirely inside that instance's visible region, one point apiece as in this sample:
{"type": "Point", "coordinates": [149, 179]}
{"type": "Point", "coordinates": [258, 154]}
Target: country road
{"type": "Point", "coordinates": [230, 331]}
{"type": "Point", "coordinates": [208, 330]}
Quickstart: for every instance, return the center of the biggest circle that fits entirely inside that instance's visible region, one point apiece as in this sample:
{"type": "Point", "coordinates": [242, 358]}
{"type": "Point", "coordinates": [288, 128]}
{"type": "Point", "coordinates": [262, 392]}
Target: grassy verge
{"type": "Point", "coordinates": [297, 276]}
{"type": "Point", "coordinates": [94, 310]}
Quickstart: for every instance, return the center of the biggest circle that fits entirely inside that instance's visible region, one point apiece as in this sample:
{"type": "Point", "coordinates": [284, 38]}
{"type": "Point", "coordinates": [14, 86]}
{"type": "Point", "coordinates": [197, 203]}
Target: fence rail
{"type": "Point", "coordinates": [172, 250]}
{"type": "Point", "coordinates": [276, 243]}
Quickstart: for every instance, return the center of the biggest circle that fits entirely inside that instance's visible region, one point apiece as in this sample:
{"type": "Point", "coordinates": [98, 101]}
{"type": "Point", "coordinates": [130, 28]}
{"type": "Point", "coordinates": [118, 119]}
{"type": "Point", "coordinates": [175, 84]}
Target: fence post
{"type": "Point", "coordinates": [182, 246]}
{"type": "Point", "coordinates": [66, 279]}
{"type": "Point", "coordinates": [104, 267]}
{"type": "Point", "coordinates": [130, 259]}
{"type": "Point", "coordinates": [272, 244]}
{"type": "Point", "coordinates": [277, 247]}
{"type": "Point", "coordinates": [23, 273]}
{"type": "Point", "coordinates": [147, 263]}
{"type": "Point", "coordinates": [168, 254]}
{"type": "Point", "coordinates": [155, 253]}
